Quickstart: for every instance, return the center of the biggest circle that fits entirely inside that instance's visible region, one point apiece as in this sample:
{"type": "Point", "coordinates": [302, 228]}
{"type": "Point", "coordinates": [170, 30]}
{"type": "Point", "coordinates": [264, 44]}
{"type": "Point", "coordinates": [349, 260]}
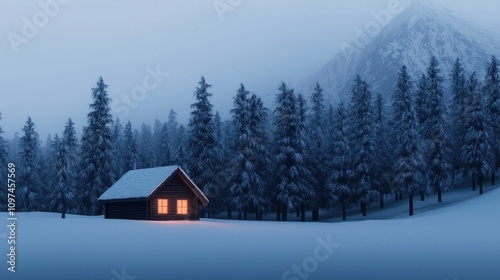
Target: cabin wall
{"type": "Point", "coordinates": [134, 210]}
{"type": "Point", "coordinates": [173, 189]}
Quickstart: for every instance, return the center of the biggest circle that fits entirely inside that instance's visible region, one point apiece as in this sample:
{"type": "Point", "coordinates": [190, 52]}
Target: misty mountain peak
{"type": "Point", "coordinates": [420, 31]}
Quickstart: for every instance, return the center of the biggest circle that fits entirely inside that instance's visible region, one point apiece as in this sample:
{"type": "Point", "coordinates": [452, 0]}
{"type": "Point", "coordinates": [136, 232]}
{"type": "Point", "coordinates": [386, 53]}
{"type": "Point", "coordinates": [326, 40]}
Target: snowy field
{"type": "Point", "coordinates": [458, 240]}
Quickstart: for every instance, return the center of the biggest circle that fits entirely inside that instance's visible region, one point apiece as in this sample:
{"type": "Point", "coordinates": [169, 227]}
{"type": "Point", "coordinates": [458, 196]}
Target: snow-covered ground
{"type": "Point", "coordinates": [458, 240]}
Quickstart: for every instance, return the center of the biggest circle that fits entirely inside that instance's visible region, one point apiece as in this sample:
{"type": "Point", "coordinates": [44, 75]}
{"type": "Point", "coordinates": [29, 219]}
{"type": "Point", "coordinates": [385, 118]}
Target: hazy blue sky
{"type": "Point", "coordinates": [52, 57]}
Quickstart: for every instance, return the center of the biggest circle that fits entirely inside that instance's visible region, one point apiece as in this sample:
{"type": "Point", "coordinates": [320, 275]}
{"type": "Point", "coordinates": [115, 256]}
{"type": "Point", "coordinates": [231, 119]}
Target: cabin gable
{"type": "Point", "coordinates": [174, 190]}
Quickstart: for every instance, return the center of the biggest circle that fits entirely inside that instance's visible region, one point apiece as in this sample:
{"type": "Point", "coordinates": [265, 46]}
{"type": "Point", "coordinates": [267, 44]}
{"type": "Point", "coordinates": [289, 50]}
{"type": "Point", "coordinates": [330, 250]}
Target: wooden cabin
{"type": "Point", "coordinates": [161, 193]}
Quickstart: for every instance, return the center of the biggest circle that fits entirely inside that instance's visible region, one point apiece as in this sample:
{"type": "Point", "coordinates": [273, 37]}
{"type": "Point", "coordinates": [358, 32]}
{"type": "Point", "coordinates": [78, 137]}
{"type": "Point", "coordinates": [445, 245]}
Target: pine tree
{"type": "Point", "coordinates": [70, 142]}
{"type": "Point", "coordinates": [181, 157]}
{"type": "Point", "coordinates": [172, 131]}
{"type": "Point", "coordinates": [408, 165]}
{"type": "Point", "coordinates": [492, 90]}
{"type": "Point", "coordinates": [164, 156]}
{"type": "Point", "coordinates": [382, 157]}
{"type": "Point", "coordinates": [459, 101]}
{"type": "Point", "coordinates": [3, 163]}
{"type": "Point", "coordinates": [437, 151]}
{"type": "Point", "coordinates": [130, 149]}
{"type": "Point", "coordinates": [202, 147]}
{"type": "Point", "coordinates": [117, 149]}
{"type": "Point", "coordinates": [293, 190]}
{"type": "Point", "coordinates": [96, 157]}
{"type": "Point", "coordinates": [247, 185]}
{"type": "Point", "coordinates": [362, 143]}
{"type": "Point", "coordinates": [477, 151]}
{"type": "Point", "coordinates": [64, 187]}
{"type": "Point", "coordinates": [259, 143]}
{"type": "Point", "coordinates": [421, 102]}
{"type": "Point", "coordinates": [46, 173]}
{"type": "Point", "coordinates": [29, 156]}
{"type": "Point", "coordinates": [242, 173]}
{"type": "Point", "coordinates": [316, 150]}
{"type": "Point", "coordinates": [341, 173]}
{"type": "Point", "coordinates": [145, 144]}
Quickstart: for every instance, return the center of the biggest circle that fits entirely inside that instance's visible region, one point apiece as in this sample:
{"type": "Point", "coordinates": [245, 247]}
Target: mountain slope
{"type": "Point", "coordinates": [411, 38]}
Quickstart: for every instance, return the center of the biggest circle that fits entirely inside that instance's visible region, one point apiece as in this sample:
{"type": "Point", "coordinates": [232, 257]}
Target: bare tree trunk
{"type": "Point", "coordinates": [422, 196]}
{"type": "Point", "coordinates": [480, 183]}
{"type": "Point", "coordinates": [473, 183]}
{"type": "Point", "coordinates": [315, 213]}
{"type": "Point", "coordinates": [410, 197]}
{"type": "Point", "coordinates": [302, 213]}
{"type": "Point", "coordinates": [343, 213]}
{"type": "Point", "coordinates": [439, 196]}
{"type": "Point", "coordinates": [382, 205]}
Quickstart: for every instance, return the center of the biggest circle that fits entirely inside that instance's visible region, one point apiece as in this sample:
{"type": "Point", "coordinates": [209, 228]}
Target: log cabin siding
{"type": "Point", "coordinates": [135, 210]}
{"type": "Point", "coordinates": [135, 195]}
{"type": "Point", "coordinates": [173, 189]}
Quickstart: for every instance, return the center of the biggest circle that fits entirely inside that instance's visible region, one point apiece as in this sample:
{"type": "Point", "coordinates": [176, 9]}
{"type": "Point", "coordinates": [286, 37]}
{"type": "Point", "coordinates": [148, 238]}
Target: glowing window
{"type": "Point", "coordinates": [162, 206]}
{"type": "Point", "coordinates": [182, 206]}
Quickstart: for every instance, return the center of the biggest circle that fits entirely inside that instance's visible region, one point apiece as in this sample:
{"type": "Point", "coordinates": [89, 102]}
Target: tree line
{"type": "Point", "coordinates": [305, 155]}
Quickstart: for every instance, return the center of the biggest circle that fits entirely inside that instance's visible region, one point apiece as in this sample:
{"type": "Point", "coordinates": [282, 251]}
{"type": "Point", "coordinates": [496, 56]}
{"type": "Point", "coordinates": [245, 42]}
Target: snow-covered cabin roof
{"type": "Point", "coordinates": [141, 183]}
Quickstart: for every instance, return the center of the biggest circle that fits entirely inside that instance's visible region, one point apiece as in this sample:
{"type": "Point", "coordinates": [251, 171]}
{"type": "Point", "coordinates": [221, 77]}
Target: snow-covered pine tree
{"type": "Point", "coordinates": [292, 189]}
{"type": "Point", "coordinates": [96, 157]}
{"type": "Point", "coordinates": [3, 163]}
{"type": "Point", "coordinates": [259, 143]}
{"type": "Point", "coordinates": [422, 113]}
{"type": "Point", "coordinates": [382, 173]}
{"type": "Point", "coordinates": [129, 149]}
{"type": "Point", "coordinates": [172, 127]}
{"type": "Point", "coordinates": [247, 188]}
{"type": "Point", "coordinates": [458, 115]}
{"type": "Point", "coordinates": [46, 174]}
{"type": "Point", "coordinates": [421, 101]}
{"type": "Point", "coordinates": [492, 90]}
{"type": "Point", "coordinates": [242, 173]}
{"type": "Point", "coordinates": [362, 141]}
{"type": "Point", "coordinates": [408, 166]}
{"type": "Point", "coordinates": [29, 156]}
{"type": "Point", "coordinates": [202, 147]}
{"type": "Point", "coordinates": [70, 142]}
{"type": "Point", "coordinates": [437, 152]}
{"type": "Point", "coordinates": [317, 158]}
{"type": "Point", "coordinates": [145, 145]}
{"type": "Point", "coordinates": [341, 174]}
{"type": "Point", "coordinates": [181, 157]}
{"type": "Point", "coordinates": [477, 150]}
{"type": "Point", "coordinates": [303, 141]}
{"type": "Point", "coordinates": [222, 165]}
{"type": "Point", "coordinates": [163, 153]}
{"type": "Point", "coordinates": [64, 187]}
{"type": "Point", "coordinates": [117, 149]}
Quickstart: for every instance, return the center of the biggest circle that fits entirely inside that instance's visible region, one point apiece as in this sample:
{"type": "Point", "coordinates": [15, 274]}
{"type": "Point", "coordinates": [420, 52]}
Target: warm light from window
{"type": "Point", "coordinates": [162, 206]}
{"type": "Point", "coordinates": [182, 206]}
